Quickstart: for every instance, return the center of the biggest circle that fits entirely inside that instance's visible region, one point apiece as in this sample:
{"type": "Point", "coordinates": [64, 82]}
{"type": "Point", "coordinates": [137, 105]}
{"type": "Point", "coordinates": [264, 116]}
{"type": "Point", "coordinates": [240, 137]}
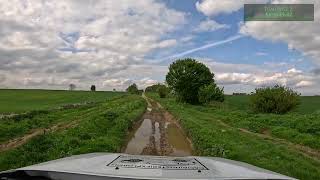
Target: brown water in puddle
{"type": "Point", "coordinates": [157, 134]}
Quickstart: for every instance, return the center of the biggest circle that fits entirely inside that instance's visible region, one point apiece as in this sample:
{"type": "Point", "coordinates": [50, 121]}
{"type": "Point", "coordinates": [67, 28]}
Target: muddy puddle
{"type": "Point", "coordinates": [157, 133]}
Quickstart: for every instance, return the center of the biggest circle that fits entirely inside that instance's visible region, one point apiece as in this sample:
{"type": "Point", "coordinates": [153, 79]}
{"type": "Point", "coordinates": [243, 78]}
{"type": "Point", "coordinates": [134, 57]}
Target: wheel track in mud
{"type": "Point", "coordinates": [160, 120]}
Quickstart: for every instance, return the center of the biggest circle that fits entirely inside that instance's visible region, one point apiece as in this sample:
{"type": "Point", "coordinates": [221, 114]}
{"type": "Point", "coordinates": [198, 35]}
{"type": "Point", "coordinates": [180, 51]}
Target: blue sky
{"type": "Point", "coordinates": [112, 44]}
{"type": "Point", "coordinates": [247, 50]}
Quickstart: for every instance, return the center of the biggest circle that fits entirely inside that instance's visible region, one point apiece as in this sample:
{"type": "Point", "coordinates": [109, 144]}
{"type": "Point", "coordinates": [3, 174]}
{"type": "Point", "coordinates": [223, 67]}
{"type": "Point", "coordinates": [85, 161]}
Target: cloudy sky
{"type": "Point", "coordinates": [112, 43]}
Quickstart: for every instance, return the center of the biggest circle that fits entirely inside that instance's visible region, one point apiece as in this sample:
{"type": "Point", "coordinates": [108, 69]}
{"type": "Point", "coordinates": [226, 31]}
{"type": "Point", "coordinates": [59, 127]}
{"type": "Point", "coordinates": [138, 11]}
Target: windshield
{"type": "Point", "coordinates": [234, 79]}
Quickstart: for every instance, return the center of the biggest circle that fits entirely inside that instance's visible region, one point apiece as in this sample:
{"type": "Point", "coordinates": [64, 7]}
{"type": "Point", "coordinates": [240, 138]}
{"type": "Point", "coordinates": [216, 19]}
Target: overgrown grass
{"type": "Point", "coordinates": [210, 137]}
{"type": "Point", "coordinates": [101, 128]}
{"type": "Point", "coordinates": [22, 100]}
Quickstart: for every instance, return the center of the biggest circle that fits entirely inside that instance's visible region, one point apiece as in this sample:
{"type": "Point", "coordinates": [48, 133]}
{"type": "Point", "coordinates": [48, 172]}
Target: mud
{"type": "Point", "coordinates": [157, 133]}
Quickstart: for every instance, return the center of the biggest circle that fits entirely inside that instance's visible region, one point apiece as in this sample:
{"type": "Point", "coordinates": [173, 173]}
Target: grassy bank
{"type": "Point", "coordinates": [101, 127]}
{"type": "Point", "coordinates": [215, 131]}
{"type": "Point", "coordinates": [21, 100]}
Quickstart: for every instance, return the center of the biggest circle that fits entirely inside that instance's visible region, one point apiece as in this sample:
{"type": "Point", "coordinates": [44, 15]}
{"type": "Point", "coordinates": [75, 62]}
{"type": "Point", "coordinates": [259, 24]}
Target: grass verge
{"type": "Point", "coordinates": [210, 137]}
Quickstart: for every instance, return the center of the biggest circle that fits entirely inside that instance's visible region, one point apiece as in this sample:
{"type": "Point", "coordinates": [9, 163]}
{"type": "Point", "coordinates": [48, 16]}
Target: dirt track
{"type": "Point", "coordinates": [157, 133]}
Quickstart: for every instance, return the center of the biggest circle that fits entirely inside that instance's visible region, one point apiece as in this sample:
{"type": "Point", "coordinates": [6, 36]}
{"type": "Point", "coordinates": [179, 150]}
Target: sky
{"type": "Point", "coordinates": [47, 44]}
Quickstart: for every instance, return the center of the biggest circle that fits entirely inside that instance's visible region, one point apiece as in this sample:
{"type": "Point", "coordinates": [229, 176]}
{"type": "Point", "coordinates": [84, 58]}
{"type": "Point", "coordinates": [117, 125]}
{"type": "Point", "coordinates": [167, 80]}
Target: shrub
{"type": "Point", "coordinates": [163, 91]}
{"type": "Point", "coordinates": [277, 99]}
{"type": "Point", "coordinates": [133, 89]}
{"type": "Point", "coordinates": [211, 92]}
{"type": "Point", "coordinates": [154, 88]}
{"type": "Point", "coordinates": [140, 92]}
{"type": "Point", "coordinates": [186, 76]}
{"type": "Point", "coordinates": [93, 88]}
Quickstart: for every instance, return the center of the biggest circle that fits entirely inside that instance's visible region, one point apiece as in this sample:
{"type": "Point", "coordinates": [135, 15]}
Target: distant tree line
{"type": "Point", "coordinates": [239, 94]}
{"type": "Point", "coordinates": [133, 89]}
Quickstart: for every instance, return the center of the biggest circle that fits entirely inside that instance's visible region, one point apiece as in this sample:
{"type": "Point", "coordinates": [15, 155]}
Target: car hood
{"type": "Point", "coordinates": [123, 166]}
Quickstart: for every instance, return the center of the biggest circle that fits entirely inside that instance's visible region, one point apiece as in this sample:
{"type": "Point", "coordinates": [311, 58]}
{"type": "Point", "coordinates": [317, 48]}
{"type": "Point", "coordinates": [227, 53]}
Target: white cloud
{"type": "Point", "coordinates": [112, 36]}
{"type": "Point", "coordinates": [117, 83]}
{"type": "Point", "coordinates": [234, 78]}
{"type": "Point", "coordinates": [123, 83]}
{"type": "Point", "coordinates": [304, 84]}
{"type": "Point", "coordinates": [145, 82]}
{"type": "Point", "coordinates": [215, 7]}
{"type": "Point", "coordinates": [167, 43]}
{"type": "Point", "coordinates": [294, 71]}
{"type": "Point", "coordinates": [302, 36]}
{"type": "Point", "coordinates": [2, 78]}
{"type": "Point", "coordinates": [210, 25]}
{"type": "Point", "coordinates": [187, 39]}
{"type": "Point", "coordinates": [261, 54]}
{"type": "Point", "coordinates": [253, 76]}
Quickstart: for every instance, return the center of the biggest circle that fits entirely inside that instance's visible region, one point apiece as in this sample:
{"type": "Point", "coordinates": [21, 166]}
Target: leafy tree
{"type": "Point", "coordinates": [140, 91]}
{"type": "Point", "coordinates": [93, 88]}
{"type": "Point", "coordinates": [163, 91]}
{"type": "Point", "coordinates": [133, 89]}
{"type": "Point", "coordinates": [186, 76]}
{"type": "Point", "coordinates": [211, 92]}
{"type": "Point", "coordinates": [154, 88]}
{"type": "Point", "coordinates": [72, 87]}
{"type": "Point", "coordinates": [277, 99]}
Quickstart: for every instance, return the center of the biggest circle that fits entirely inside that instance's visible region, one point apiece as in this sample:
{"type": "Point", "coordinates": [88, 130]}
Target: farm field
{"type": "Point", "coordinates": [21, 100]}
{"type": "Point", "coordinates": [97, 127]}
{"type": "Point", "coordinates": [288, 144]}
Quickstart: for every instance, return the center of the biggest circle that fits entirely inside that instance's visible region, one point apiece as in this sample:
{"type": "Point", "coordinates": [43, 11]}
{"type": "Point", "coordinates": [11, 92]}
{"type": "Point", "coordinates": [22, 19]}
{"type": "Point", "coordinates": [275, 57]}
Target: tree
{"type": "Point", "coordinates": [133, 89]}
{"type": "Point", "coordinates": [186, 76]}
{"type": "Point", "coordinates": [211, 92]}
{"type": "Point", "coordinates": [277, 99]}
{"type": "Point", "coordinates": [163, 91]}
{"type": "Point", "coordinates": [154, 88]}
{"type": "Point", "coordinates": [93, 88]}
{"type": "Point", "coordinates": [72, 87]}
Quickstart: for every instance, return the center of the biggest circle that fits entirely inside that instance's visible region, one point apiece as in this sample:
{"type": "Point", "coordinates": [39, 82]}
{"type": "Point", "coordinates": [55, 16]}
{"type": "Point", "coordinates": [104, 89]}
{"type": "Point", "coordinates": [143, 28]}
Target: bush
{"type": "Point", "coordinates": [93, 88]}
{"type": "Point", "coordinates": [154, 88]}
{"type": "Point", "coordinates": [186, 76]}
{"type": "Point", "coordinates": [140, 92]}
{"type": "Point", "coordinates": [163, 91]}
{"type": "Point", "coordinates": [277, 99]}
{"type": "Point", "coordinates": [133, 89]}
{"type": "Point", "coordinates": [211, 92]}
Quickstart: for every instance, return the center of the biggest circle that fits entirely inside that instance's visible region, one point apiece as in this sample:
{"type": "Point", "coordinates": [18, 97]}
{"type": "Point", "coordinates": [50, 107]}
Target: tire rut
{"type": "Point", "coordinates": [304, 150]}
{"type": "Point", "coordinates": [14, 143]}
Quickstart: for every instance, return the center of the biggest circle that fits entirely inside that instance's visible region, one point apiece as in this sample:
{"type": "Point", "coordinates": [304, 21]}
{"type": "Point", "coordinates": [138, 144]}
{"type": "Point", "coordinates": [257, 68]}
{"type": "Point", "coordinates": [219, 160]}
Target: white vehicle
{"type": "Point", "coordinates": [98, 166]}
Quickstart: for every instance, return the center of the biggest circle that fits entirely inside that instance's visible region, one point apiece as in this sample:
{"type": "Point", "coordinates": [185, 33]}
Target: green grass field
{"type": "Point", "coordinates": [17, 101]}
{"type": "Point", "coordinates": [275, 142]}
{"type": "Point", "coordinates": [99, 127]}
{"type": "Point", "coordinates": [288, 144]}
